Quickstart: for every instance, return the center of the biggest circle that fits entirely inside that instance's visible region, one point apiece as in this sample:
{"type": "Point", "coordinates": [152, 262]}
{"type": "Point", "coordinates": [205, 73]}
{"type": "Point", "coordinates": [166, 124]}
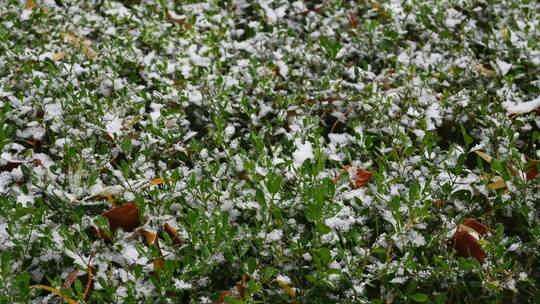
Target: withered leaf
{"type": "Point", "coordinates": [467, 245]}
{"type": "Point", "coordinates": [477, 226]}
{"type": "Point", "coordinates": [72, 276]}
{"type": "Point", "coordinates": [173, 234]}
{"type": "Point", "coordinates": [125, 216]}
{"type": "Point", "coordinates": [359, 176]}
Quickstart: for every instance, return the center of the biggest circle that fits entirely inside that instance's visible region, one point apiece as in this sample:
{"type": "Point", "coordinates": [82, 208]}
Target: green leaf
{"type": "Point", "coordinates": [325, 255]}
{"type": "Point", "coordinates": [419, 297]}
{"type": "Point", "coordinates": [273, 183]}
{"type": "Point", "coordinates": [466, 137]}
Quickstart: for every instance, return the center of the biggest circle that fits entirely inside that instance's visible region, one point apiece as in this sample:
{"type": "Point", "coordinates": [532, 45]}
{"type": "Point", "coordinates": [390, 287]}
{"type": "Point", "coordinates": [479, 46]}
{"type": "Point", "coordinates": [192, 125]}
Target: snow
{"type": "Point", "coordinates": [504, 67]}
{"type": "Point", "coordinates": [303, 152]}
{"type": "Point", "coordinates": [521, 107]}
{"type": "Point", "coordinates": [53, 110]}
{"type": "Point", "coordinates": [114, 125]}
{"type": "Point", "coordinates": [284, 279]}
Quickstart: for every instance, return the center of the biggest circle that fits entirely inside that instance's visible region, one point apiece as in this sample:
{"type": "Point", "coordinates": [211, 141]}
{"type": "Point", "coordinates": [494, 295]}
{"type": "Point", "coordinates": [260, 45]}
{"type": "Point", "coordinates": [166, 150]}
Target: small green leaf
{"type": "Point", "coordinates": [325, 255]}
{"type": "Point", "coordinates": [419, 297]}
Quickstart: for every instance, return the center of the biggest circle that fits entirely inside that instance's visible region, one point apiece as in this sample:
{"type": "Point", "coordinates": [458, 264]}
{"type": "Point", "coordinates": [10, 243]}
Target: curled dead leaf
{"type": "Point", "coordinates": [59, 56]}
{"type": "Point", "coordinates": [125, 217]}
{"type": "Point", "coordinates": [288, 289]}
{"type": "Point", "coordinates": [477, 226]}
{"type": "Point", "coordinates": [359, 176]}
{"type": "Point", "coordinates": [157, 181]}
{"type": "Point", "coordinates": [72, 276]}
{"type": "Point", "coordinates": [149, 236]}
{"type": "Point", "coordinates": [467, 245]}
{"type": "Point", "coordinates": [484, 156]}
{"type": "Point", "coordinates": [466, 239]}
{"type": "Point", "coordinates": [531, 173]}
{"type": "Point", "coordinates": [485, 71]}
{"type": "Point", "coordinates": [497, 183]}
{"type": "Point", "coordinates": [173, 234]}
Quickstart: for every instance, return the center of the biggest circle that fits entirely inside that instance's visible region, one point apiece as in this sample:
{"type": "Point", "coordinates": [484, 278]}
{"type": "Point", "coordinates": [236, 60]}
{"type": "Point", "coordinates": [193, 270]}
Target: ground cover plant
{"type": "Point", "coordinates": [269, 151]}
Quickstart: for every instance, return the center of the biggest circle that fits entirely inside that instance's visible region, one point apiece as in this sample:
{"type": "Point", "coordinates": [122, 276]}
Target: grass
{"type": "Point", "coordinates": [230, 121]}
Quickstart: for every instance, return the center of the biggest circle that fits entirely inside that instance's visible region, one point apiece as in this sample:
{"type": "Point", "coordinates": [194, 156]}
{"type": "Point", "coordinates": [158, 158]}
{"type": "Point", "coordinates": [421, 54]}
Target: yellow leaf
{"type": "Point", "coordinates": [485, 71]}
{"type": "Point", "coordinates": [497, 183]}
{"type": "Point", "coordinates": [484, 156]}
{"type": "Point", "coordinates": [56, 292]}
{"type": "Point", "coordinates": [157, 181]}
{"type": "Point", "coordinates": [287, 289]}
{"type": "Point", "coordinates": [59, 56]}
{"type": "Point", "coordinates": [30, 4]}
{"type": "Point", "coordinates": [77, 42]}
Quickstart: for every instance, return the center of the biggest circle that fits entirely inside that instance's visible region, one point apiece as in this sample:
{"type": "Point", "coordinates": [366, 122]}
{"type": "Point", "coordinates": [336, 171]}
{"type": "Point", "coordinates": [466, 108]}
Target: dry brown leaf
{"type": "Point", "coordinates": [72, 276]}
{"type": "Point", "coordinates": [149, 236]}
{"type": "Point", "coordinates": [488, 72]}
{"type": "Point", "coordinates": [466, 239]}
{"type": "Point", "coordinates": [497, 183]}
{"type": "Point", "coordinates": [484, 156]}
{"type": "Point", "coordinates": [159, 263]}
{"type": "Point", "coordinates": [531, 173]}
{"type": "Point", "coordinates": [289, 290]}
{"type": "Point", "coordinates": [466, 244]}
{"type": "Point", "coordinates": [171, 17]}
{"type": "Point", "coordinates": [124, 216]}
{"type": "Point", "coordinates": [157, 181]}
{"type": "Point", "coordinates": [77, 42]}
{"type": "Point", "coordinates": [353, 20]}
{"type": "Point", "coordinates": [29, 4]}
{"type": "Point", "coordinates": [360, 177]}
{"type": "Point", "coordinates": [173, 234]}
{"type": "Point", "coordinates": [378, 8]}
{"type": "Point", "coordinates": [477, 226]}
{"type": "Point", "coordinates": [59, 56]}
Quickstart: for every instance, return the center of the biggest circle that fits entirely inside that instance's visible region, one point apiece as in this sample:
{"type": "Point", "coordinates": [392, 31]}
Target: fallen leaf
{"type": "Point", "coordinates": [288, 289]}
{"type": "Point", "coordinates": [477, 226]}
{"type": "Point", "coordinates": [72, 276]}
{"type": "Point", "coordinates": [29, 4]}
{"type": "Point", "coordinates": [173, 18]}
{"type": "Point", "coordinates": [10, 165]}
{"type": "Point", "coordinates": [488, 72]}
{"type": "Point", "coordinates": [56, 292]}
{"type": "Point", "coordinates": [173, 234]}
{"type": "Point", "coordinates": [378, 8]}
{"type": "Point", "coordinates": [531, 173]}
{"type": "Point", "coordinates": [83, 45]}
{"type": "Point", "coordinates": [223, 295]}
{"type": "Point", "coordinates": [360, 177]}
{"type": "Point", "coordinates": [240, 288]}
{"type": "Point", "coordinates": [353, 20]}
{"type": "Point", "coordinates": [125, 217]}
{"type": "Point", "coordinates": [157, 181]}
{"type": "Point", "coordinates": [466, 244]}
{"type": "Point", "coordinates": [159, 263]}
{"type": "Point", "coordinates": [484, 156]}
{"type": "Point", "coordinates": [59, 56]}
{"type": "Point", "coordinates": [149, 236]}
{"type": "Point", "coordinates": [497, 183]}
